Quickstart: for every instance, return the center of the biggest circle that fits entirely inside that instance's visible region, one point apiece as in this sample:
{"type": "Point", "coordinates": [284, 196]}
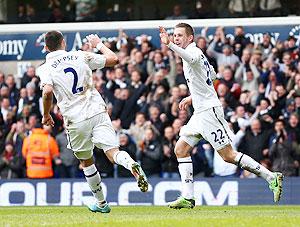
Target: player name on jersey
{"type": "Point", "coordinates": [64, 59]}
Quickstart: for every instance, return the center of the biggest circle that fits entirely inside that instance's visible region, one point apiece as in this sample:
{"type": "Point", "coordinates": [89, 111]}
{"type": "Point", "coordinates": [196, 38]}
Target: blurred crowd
{"type": "Point", "coordinates": [258, 85]}
{"type": "Point", "coordinates": [94, 10]}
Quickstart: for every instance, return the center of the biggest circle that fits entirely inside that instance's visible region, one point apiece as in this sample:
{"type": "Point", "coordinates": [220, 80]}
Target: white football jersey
{"type": "Point", "coordinates": [70, 74]}
{"type": "Point", "coordinates": [199, 76]}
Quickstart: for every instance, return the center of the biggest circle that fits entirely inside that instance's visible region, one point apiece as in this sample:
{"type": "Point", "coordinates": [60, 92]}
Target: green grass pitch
{"type": "Point", "coordinates": [152, 216]}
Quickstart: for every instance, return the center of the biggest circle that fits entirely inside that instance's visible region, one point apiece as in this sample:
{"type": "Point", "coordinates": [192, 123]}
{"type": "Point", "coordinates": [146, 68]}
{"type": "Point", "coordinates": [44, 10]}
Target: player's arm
{"type": "Point", "coordinates": [47, 103]}
{"type": "Point", "coordinates": [111, 58]}
{"type": "Point", "coordinates": [184, 54]}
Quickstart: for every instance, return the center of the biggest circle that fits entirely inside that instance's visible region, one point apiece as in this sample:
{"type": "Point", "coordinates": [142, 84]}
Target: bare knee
{"type": "Point", "coordinates": [228, 154]}
{"type": "Point", "coordinates": [110, 154]}
{"type": "Point", "coordinates": [87, 162]}
{"type": "Point", "coordinates": [182, 149]}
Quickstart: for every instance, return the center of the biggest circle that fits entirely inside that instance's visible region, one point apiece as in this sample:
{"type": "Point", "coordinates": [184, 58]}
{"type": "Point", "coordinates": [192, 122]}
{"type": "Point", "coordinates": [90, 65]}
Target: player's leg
{"type": "Point", "coordinates": [93, 178]}
{"type": "Point", "coordinates": [219, 137]}
{"type": "Point", "coordinates": [185, 167]}
{"type": "Point", "coordinates": [249, 164]}
{"type": "Point", "coordinates": [123, 158]}
{"type": "Point", "coordinates": [190, 134]}
{"type": "Point", "coordinates": [104, 137]}
{"type": "Point", "coordinates": [79, 138]}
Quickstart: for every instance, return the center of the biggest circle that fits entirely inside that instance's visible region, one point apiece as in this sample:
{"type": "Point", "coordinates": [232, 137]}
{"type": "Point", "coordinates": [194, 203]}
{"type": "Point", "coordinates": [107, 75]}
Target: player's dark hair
{"type": "Point", "coordinates": [53, 40]}
{"type": "Point", "coordinates": [188, 28]}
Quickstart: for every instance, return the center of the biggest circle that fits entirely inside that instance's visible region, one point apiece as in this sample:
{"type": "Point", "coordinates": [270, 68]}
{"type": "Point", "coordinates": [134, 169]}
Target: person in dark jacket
{"type": "Point", "coordinates": [255, 142]}
{"type": "Point", "coordinates": [150, 154]}
{"type": "Point", "coordinates": [283, 156]}
{"type": "Point", "coordinates": [10, 163]}
{"type": "Point", "coordinates": [126, 144]}
{"type": "Point", "coordinates": [169, 160]}
{"type": "Point", "coordinates": [126, 106]}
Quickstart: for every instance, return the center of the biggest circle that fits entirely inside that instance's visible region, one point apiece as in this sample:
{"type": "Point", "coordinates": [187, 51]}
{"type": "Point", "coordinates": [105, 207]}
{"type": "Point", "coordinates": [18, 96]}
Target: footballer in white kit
{"type": "Point", "coordinates": [69, 76]}
{"type": "Point", "coordinates": [207, 120]}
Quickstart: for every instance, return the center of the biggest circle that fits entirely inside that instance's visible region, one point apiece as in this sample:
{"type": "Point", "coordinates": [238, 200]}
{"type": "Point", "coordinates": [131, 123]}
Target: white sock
{"type": "Point", "coordinates": [93, 178]}
{"type": "Point", "coordinates": [185, 167]}
{"type": "Point", "coordinates": [123, 158]}
{"type": "Point", "coordinates": [248, 163]}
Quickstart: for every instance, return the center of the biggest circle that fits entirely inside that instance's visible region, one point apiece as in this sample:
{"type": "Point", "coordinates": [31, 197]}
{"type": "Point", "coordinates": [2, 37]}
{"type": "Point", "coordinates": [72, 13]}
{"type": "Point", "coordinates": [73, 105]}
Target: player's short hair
{"type": "Point", "coordinates": [188, 28]}
{"type": "Point", "coordinates": [53, 40]}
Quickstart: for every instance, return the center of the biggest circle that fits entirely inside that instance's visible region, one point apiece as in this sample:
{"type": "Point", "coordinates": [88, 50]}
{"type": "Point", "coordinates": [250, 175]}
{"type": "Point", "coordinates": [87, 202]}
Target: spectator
{"type": "Point", "coordinates": [154, 118]}
{"type": "Point", "coordinates": [150, 154]}
{"type": "Point", "coordinates": [21, 14]}
{"type": "Point", "coordinates": [10, 163]}
{"type": "Point", "coordinates": [203, 9]}
{"type": "Point", "coordinates": [248, 76]}
{"type": "Point", "coordinates": [255, 142]}
{"type": "Point", "coordinates": [269, 8]}
{"type": "Point", "coordinates": [281, 152]}
{"type": "Point", "coordinates": [177, 124]}
{"type": "Point", "coordinates": [34, 100]}
{"type": "Point", "coordinates": [69, 163]}
{"type": "Point", "coordinates": [292, 47]}
{"type": "Point", "coordinates": [39, 150]}
{"type": "Point", "coordinates": [138, 128]}
{"type": "Point", "coordinates": [23, 100]}
{"type": "Point", "coordinates": [71, 10]}
{"type": "Point", "coordinates": [86, 10]}
{"type": "Point", "coordinates": [31, 14]}
{"type": "Point", "coordinates": [240, 40]}
{"type": "Point", "coordinates": [179, 78]}
{"type": "Point", "coordinates": [242, 8]}
{"type": "Point", "coordinates": [177, 14]}
{"type": "Point", "coordinates": [126, 144]}
{"type": "Point", "coordinates": [16, 136]}
{"type": "Point", "coordinates": [13, 91]}
{"type": "Point", "coordinates": [225, 58]}
{"type": "Point", "coordinates": [266, 113]}
{"type": "Point", "coordinates": [289, 109]}
{"type": "Point", "coordinates": [223, 92]}
{"type": "Point", "coordinates": [293, 132]}
{"type": "Point", "coordinates": [28, 76]}
{"type": "Point", "coordinates": [2, 79]}
{"type": "Point", "coordinates": [266, 46]}
{"type": "Point", "coordinates": [219, 39]}
{"type": "Point", "coordinates": [126, 105]}
{"type": "Point", "coordinates": [169, 160]}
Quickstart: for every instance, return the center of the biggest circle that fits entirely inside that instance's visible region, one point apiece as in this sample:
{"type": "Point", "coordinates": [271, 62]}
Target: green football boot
{"type": "Point", "coordinates": [140, 176]}
{"type": "Point", "coordinates": [95, 208]}
{"type": "Point", "coordinates": [182, 203]}
{"type": "Point", "coordinates": [276, 186]}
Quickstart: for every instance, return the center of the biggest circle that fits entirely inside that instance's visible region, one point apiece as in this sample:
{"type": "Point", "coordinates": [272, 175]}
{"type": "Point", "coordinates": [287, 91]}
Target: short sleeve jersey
{"type": "Point", "coordinates": [70, 74]}
{"type": "Point", "coordinates": [199, 76]}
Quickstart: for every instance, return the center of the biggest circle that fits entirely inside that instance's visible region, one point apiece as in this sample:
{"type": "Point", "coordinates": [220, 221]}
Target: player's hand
{"type": "Point", "coordinates": [47, 120]}
{"type": "Point", "coordinates": [93, 40]}
{"type": "Point", "coordinates": [185, 103]}
{"type": "Point", "coordinates": [164, 37]}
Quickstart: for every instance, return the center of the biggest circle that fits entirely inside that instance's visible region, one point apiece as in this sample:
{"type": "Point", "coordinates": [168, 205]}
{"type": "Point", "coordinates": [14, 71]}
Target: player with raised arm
{"type": "Point", "coordinates": [208, 119]}
{"type": "Point", "coordinates": [69, 76]}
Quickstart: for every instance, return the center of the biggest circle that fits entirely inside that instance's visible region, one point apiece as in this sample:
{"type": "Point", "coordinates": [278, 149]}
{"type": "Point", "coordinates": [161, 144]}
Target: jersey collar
{"type": "Point", "coordinates": [193, 44]}
{"type": "Point", "coordinates": [54, 54]}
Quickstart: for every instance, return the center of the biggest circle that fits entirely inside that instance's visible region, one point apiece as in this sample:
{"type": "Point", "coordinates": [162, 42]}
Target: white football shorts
{"type": "Point", "coordinates": [209, 125]}
{"type": "Point", "coordinates": [95, 131]}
